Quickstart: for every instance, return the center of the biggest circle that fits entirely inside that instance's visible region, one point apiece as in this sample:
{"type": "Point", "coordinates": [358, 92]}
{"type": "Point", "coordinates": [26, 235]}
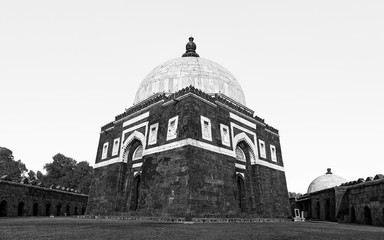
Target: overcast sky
{"type": "Point", "coordinates": [312, 69]}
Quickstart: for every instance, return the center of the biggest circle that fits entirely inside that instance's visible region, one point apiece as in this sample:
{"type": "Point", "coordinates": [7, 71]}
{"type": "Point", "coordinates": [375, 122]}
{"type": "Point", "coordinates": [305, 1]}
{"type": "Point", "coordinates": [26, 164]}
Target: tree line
{"type": "Point", "coordinates": [62, 171]}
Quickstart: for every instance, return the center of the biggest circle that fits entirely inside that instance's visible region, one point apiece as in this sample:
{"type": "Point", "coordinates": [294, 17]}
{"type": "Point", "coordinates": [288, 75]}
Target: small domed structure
{"type": "Point", "coordinates": [325, 181]}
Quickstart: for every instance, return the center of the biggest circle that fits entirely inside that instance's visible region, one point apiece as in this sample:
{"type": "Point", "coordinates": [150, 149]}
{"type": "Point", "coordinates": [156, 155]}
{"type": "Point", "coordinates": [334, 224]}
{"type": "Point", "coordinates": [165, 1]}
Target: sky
{"type": "Point", "coordinates": [312, 69]}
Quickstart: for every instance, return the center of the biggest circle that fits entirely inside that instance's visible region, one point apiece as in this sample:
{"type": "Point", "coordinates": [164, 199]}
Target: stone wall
{"type": "Point", "coordinates": [354, 202]}
{"type": "Point", "coordinates": [270, 187]}
{"type": "Point", "coordinates": [18, 199]}
{"type": "Point", "coordinates": [363, 203]}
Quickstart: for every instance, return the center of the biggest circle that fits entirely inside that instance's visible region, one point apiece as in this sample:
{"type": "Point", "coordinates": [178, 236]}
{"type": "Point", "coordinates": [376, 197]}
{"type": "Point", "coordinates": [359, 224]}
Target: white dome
{"type": "Point", "coordinates": [325, 181]}
{"type": "Point", "coordinates": [182, 72]}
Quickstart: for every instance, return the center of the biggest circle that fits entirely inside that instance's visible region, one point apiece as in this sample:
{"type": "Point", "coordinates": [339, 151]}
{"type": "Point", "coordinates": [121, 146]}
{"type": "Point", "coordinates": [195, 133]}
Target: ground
{"type": "Point", "coordinates": [74, 228]}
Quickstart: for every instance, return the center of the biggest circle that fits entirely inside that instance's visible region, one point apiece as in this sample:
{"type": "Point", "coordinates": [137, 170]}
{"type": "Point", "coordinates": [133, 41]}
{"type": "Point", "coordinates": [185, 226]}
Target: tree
{"type": "Point", "coordinates": [39, 175]}
{"type": "Point", "coordinates": [294, 195]}
{"type": "Point", "coordinates": [66, 172]}
{"type": "Point", "coordinates": [31, 175]}
{"type": "Point", "coordinates": [83, 176]}
{"type": "Point", "coordinates": [8, 165]}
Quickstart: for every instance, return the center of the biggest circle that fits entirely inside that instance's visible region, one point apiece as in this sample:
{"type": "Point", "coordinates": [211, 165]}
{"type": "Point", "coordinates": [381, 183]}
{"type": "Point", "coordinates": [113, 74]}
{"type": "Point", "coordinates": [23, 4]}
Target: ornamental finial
{"type": "Point", "coordinates": [191, 49]}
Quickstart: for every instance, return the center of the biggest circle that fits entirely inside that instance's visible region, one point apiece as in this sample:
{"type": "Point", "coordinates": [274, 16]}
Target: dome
{"type": "Point", "coordinates": [179, 73]}
{"type": "Point", "coordinates": [325, 181]}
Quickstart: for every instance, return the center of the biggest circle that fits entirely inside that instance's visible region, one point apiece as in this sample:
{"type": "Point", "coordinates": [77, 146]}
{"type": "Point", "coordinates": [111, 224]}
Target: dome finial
{"type": "Point", "coordinates": [191, 49]}
{"type": "Point", "coordinates": [329, 171]}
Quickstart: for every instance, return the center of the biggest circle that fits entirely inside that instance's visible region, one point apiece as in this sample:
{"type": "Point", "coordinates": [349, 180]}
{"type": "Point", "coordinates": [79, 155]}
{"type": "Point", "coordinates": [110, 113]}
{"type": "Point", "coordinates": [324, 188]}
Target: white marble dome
{"type": "Point", "coordinates": [179, 73]}
{"type": "Point", "coordinates": [325, 181]}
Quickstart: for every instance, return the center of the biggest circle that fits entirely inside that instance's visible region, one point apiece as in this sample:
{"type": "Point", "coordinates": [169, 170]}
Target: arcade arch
{"type": "Point", "coordinates": [20, 209]}
{"type": "Point", "coordinates": [35, 209]}
{"type": "Point", "coordinates": [3, 208]}
{"type": "Point", "coordinates": [58, 210]}
{"type": "Point", "coordinates": [68, 210]}
{"type": "Point", "coordinates": [48, 210]}
{"type": "Point", "coordinates": [367, 216]}
{"type": "Point", "coordinates": [352, 215]}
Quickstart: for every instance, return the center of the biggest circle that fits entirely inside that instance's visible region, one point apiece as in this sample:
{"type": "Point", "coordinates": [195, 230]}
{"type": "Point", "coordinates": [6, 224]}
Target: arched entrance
{"type": "Point", "coordinates": [58, 210]}
{"type": "Point", "coordinates": [133, 156]}
{"type": "Point", "coordinates": [352, 215]}
{"type": "Point", "coordinates": [382, 218]}
{"type": "Point", "coordinates": [135, 193]}
{"type": "Point", "coordinates": [83, 211]}
{"type": "Point", "coordinates": [3, 208]}
{"type": "Point", "coordinates": [48, 210]}
{"type": "Point", "coordinates": [35, 209]}
{"type": "Point", "coordinates": [67, 210]}
{"type": "Point", "coordinates": [327, 209]}
{"type": "Point", "coordinates": [367, 216]}
{"type": "Point", "coordinates": [317, 209]}
{"type": "Point", "coordinates": [243, 159]}
{"type": "Point", "coordinates": [75, 210]}
{"type": "Point", "coordinates": [20, 209]}
{"type": "Point", "coordinates": [241, 194]}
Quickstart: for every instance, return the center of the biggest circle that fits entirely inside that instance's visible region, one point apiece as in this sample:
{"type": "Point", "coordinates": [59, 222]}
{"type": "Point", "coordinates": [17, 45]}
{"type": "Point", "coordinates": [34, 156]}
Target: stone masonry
{"type": "Point", "coordinates": [195, 173]}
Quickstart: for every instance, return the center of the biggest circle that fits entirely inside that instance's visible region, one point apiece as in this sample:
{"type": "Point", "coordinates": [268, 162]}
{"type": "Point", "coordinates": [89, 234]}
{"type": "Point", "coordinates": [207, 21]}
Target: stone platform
{"type": "Point", "coordinates": [185, 221]}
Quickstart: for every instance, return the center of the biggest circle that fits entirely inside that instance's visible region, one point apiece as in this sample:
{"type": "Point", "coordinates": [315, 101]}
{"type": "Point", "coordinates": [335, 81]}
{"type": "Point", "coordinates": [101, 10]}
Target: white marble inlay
{"type": "Point", "coordinates": [273, 153]}
{"type": "Point", "coordinates": [224, 131]}
{"type": "Point", "coordinates": [262, 149]}
{"type": "Point", "coordinates": [242, 120]}
{"type": "Point", "coordinates": [136, 119]}
{"type": "Point", "coordinates": [153, 129]}
{"type": "Point", "coordinates": [105, 151]}
{"type": "Point", "coordinates": [172, 128]}
{"type": "Point", "coordinates": [115, 149]}
{"type": "Point", "coordinates": [135, 165]}
{"type": "Point", "coordinates": [206, 129]}
{"type": "Point", "coordinates": [241, 166]}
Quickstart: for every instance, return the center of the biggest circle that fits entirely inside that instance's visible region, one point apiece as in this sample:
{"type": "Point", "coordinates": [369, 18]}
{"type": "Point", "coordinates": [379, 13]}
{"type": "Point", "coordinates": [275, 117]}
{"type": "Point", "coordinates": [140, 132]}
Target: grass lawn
{"type": "Point", "coordinates": [74, 228]}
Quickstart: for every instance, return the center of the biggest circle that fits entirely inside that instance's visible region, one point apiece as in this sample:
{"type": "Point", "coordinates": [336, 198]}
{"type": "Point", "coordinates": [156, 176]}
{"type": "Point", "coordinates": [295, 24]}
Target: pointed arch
{"type": "Point", "coordinates": [238, 175]}
{"type": "Point", "coordinates": [243, 137]}
{"type": "Point", "coordinates": [138, 152]}
{"type": "Point", "coordinates": [125, 146]}
{"type": "Point", "coordinates": [240, 155]}
{"type": "Point", "coordinates": [367, 216]}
